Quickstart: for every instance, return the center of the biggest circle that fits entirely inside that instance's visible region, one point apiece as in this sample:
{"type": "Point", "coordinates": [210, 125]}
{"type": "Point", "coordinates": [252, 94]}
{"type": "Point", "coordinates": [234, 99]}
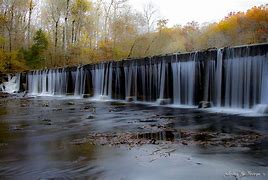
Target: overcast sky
{"type": "Point", "coordinates": [183, 11]}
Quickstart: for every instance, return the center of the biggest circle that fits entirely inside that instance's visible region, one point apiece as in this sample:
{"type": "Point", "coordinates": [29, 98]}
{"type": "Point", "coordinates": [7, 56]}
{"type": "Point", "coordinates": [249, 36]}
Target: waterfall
{"type": "Point", "coordinates": [162, 80]}
{"type": "Point", "coordinates": [131, 80]}
{"type": "Point", "coordinates": [184, 73]}
{"type": "Point", "coordinates": [228, 78]}
{"type": "Point", "coordinates": [243, 84]}
{"type": "Point", "coordinates": [102, 77]}
{"type": "Point", "coordinates": [213, 79]}
{"type": "Point", "coordinates": [47, 82]}
{"type": "Point", "coordinates": [264, 89]}
{"type": "Point", "coordinates": [79, 82]}
{"type": "Point", "coordinates": [218, 78]}
{"type": "Point", "coordinates": [12, 85]}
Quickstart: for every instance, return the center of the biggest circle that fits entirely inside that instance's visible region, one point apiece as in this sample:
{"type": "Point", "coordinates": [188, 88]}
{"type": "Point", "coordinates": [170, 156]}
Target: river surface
{"type": "Point", "coordinates": [38, 135]}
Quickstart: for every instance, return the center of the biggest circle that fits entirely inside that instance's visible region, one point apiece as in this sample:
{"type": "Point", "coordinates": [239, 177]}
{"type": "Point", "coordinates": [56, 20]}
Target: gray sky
{"type": "Point", "coordinates": [183, 11]}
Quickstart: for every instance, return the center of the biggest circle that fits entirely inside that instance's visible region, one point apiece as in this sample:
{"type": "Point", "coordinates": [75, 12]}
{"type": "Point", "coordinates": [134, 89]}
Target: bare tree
{"type": "Point", "coordinates": [150, 16]}
{"type": "Point", "coordinates": [29, 23]}
{"type": "Point", "coordinates": [55, 8]}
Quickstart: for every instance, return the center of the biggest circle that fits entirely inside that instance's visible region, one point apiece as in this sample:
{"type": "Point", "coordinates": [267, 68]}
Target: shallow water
{"type": "Point", "coordinates": [36, 138]}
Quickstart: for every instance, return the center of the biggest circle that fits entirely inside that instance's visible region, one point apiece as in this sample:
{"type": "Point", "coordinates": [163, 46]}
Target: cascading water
{"type": "Point", "coordinates": [264, 89]}
{"type": "Point", "coordinates": [243, 84]}
{"type": "Point", "coordinates": [47, 82]}
{"type": "Point", "coordinates": [79, 82]}
{"type": "Point", "coordinates": [213, 80]}
{"type": "Point", "coordinates": [229, 78]}
{"type": "Point", "coordinates": [184, 73]}
{"type": "Point", "coordinates": [131, 81]}
{"type": "Point", "coordinates": [12, 85]}
{"type": "Point", "coordinates": [102, 76]}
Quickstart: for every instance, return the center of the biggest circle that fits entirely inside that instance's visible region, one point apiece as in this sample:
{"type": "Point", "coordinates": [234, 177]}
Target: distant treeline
{"type": "Point", "coordinates": [52, 33]}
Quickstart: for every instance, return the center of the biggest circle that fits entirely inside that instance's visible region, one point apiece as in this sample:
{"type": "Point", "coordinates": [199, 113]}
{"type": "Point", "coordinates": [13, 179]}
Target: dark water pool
{"type": "Point", "coordinates": [37, 135]}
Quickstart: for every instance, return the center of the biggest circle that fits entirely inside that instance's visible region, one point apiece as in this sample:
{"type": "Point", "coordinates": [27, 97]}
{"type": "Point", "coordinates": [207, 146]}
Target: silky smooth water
{"type": "Point", "coordinates": [231, 79]}
{"type": "Point", "coordinates": [37, 141]}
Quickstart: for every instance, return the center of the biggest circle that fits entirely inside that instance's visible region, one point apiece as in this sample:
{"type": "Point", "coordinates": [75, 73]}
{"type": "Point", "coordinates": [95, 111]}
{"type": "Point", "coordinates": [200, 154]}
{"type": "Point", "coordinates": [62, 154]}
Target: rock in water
{"type": "Point", "coordinates": [205, 104]}
{"type": "Point", "coordinates": [130, 99]}
{"type": "Point", "coordinates": [86, 95]}
{"type": "Point", "coordinates": [163, 101]}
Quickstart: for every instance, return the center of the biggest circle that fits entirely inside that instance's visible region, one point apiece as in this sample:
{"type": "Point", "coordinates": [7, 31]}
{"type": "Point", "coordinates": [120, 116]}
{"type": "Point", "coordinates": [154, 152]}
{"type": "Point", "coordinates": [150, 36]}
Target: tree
{"type": "Point", "coordinates": [34, 55]}
{"type": "Point", "coordinates": [149, 14]}
{"type": "Point", "coordinates": [31, 6]}
{"type": "Point", "coordinates": [78, 10]}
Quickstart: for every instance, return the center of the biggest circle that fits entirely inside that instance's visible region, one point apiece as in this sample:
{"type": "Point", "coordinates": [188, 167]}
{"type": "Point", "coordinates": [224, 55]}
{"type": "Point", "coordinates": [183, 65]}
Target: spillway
{"type": "Point", "coordinates": [234, 77]}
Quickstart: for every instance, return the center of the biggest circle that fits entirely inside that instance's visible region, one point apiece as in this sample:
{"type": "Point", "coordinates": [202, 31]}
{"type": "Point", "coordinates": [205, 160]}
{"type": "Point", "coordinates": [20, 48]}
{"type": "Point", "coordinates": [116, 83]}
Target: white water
{"type": "Point", "coordinates": [47, 82]}
{"type": "Point", "coordinates": [12, 85]}
{"type": "Point", "coordinates": [102, 81]}
{"type": "Point", "coordinates": [184, 81]}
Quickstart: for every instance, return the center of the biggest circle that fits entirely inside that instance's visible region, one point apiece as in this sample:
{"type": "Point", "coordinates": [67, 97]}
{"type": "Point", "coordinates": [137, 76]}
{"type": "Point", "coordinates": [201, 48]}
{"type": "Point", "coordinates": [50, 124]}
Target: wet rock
{"type": "Point", "coordinates": [91, 117]}
{"type": "Point", "coordinates": [153, 141]}
{"type": "Point", "coordinates": [184, 143]}
{"type": "Point", "coordinates": [16, 128]}
{"type": "Point", "coordinates": [86, 96]}
{"type": "Point", "coordinates": [163, 101]}
{"type": "Point", "coordinates": [86, 108]}
{"type": "Point", "coordinates": [130, 98]}
{"type": "Point", "coordinates": [46, 120]}
{"type": "Point", "coordinates": [70, 103]}
{"type": "Point", "coordinates": [184, 134]}
{"type": "Point", "coordinates": [117, 104]}
{"type": "Point", "coordinates": [45, 105]}
{"type": "Point", "coordinates": [148, 121]}
{"type": "Point", "coordinates": [48, 124]}
{"type": "Point", "coordinates": [205, 104]}
{"type": "Point", "coordinates": [23, 105]}
{"type": "Point", "coordinates": [4, 95]}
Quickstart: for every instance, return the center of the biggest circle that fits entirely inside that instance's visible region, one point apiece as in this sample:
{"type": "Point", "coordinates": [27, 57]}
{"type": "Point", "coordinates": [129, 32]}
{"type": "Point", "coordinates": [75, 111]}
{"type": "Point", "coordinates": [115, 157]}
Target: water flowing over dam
{"type": "Point", "coordinates": [235, 77]}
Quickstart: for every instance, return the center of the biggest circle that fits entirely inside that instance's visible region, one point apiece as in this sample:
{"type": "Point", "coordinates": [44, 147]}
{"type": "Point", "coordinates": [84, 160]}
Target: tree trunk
{"type": "Point", "coordinates": [73, 31]}
{"type": "Point", "coordinates": [56, 35]}
{"type": "Point", "coordinates": [65, 34]}
{"type": "Point", "coordinates": [29, 24]}
{"type": "Point", "coordinates": [10, 30]}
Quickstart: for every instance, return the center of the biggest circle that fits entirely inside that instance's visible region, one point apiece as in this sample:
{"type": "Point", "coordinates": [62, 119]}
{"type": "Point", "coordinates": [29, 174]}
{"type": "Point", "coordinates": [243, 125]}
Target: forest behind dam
{"type": "Point", "coordinates": [58, 33]}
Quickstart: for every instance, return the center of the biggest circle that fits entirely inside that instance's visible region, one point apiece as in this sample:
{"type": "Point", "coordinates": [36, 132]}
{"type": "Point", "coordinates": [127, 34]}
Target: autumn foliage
{"type": "Point", "coordinates": [70, 32]}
